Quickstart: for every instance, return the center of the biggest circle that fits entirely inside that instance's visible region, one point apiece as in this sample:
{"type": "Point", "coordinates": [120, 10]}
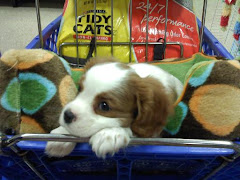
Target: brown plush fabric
{"type": "Point", "coordinates": [213, 106]}
{"type": "Point", "coordinates": [216, 108]}
{"type": "Point", "coordinates": [208, 108]}
{"type": "Point", "coordinates": [8, 120]}
{"type": "Point", "coordinates": [45, 86]}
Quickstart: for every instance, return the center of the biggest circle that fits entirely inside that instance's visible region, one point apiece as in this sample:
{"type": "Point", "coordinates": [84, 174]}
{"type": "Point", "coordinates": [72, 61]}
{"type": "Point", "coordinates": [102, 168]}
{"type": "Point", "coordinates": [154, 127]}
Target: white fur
{"type": "Point", "coordinates": [100, 78]}
{"type": "Point", "coordinates": [106, 134]}
{"type": "Point", "coordinates": [59, 149]}
{"type": "Point", "coordinates": [110, 140]}
{"type": "Point", "coordinates": [169, 81]}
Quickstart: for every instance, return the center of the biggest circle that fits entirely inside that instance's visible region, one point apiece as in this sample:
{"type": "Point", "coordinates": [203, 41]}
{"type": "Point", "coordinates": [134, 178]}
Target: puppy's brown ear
{"type": "Point", "coordinates": [153, 107]}
{"type": "Point", "coordinates": [98, 60]}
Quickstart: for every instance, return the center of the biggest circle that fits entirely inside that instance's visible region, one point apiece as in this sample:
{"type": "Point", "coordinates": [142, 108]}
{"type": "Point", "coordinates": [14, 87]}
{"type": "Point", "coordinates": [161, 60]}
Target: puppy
{"type": "Point", "coordinates": [116, 102]}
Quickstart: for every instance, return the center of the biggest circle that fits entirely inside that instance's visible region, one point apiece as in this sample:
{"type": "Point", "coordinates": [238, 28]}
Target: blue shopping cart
{"type": "Point", "coordinates": [23, 157]}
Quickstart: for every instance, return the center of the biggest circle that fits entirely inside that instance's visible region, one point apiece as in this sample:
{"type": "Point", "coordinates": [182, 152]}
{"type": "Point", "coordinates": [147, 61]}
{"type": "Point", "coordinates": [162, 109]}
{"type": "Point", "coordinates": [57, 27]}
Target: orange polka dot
{"type": "Point", "coordinates": [216, 108]}
{"type": "Point", "coordinates": [25, 58]}
{"type": "Point", "coordinates": [234, 63]}
{"type": "Point", "coordinates": [30, 125]}
{"type": "Point", "coordinates": [67, 90]}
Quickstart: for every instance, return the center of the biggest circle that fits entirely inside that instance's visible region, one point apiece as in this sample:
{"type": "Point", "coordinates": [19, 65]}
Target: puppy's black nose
{"type": "Point", "coordinates": [68, 116]}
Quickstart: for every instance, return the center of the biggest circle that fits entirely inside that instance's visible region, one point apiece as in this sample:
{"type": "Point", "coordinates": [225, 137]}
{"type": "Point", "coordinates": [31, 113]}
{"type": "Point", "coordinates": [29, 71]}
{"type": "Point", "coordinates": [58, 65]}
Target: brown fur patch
{"type": "Point", "coordinates": [172, 95]}
{"type": "Point", "coordinates": [153, 106]}
{"type": "Point", "coordinates": [123, 66]}
{"type": "Point", "coordinates": [140, 103]}
{"type": "Point", "coordinates": [98, 60]}
{"type": "Point", "coordinates": [121, 102]}
{"type": "Point", "coordinates": [80, 87]}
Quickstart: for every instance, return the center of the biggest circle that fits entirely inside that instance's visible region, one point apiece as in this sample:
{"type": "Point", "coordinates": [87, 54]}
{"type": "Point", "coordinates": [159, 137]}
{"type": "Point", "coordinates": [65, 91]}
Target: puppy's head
{"type": "Point", "coordinates": [111, 94]}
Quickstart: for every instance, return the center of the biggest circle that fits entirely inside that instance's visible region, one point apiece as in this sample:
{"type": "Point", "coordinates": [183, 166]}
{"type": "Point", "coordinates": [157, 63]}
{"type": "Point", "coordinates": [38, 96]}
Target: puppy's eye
{"type": "Point", "coordinates": [104, 106]}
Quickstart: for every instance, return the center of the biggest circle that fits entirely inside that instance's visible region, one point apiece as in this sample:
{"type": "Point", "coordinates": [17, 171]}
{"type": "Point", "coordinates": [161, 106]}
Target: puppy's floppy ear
{"type": "Point", "coordinates": [98, 60]}
{"type": "Point", "coordinates": [153, 107]}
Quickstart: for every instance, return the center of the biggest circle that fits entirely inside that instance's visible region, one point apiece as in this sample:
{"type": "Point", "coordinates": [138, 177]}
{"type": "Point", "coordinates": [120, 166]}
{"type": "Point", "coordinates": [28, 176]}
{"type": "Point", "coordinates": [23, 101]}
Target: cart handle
{"type": "Point", "coordinates": [134, 141]}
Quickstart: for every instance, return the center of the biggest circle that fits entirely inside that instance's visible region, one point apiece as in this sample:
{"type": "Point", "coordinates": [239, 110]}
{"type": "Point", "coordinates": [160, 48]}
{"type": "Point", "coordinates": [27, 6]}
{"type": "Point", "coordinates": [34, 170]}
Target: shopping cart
{"type": "Point", "coordinates": [22, 156]}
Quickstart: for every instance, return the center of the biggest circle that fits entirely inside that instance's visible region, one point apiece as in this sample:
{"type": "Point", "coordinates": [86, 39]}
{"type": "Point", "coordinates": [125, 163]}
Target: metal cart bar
{"type": "Point", "coordinates": [223, 165]}
{"type": "Point", "coordinates": [31, 166]}
{"type": "Point", "coordinates": [112, 43]}
{"type": "Point", "coordinates": [130, 33]}
{"type": "Point", "coordinates": [165, 31]}
{"type": "Point", "coordinates": [76, 20]}
{"type": "Point", "coordinates": [203, 24]}
{"type": "Point", "coordinates": [122, 43]}
{"type": "Point", "coordinates": [95, 27]}
{"type": "Point", "coordinates": [111, 27]}
{"type": "Point", "coordinates": [146, 56]}
{"type": "Point", "coordinates": [130, 43]}
{"type": "Point", "coordinates": [39, 23]}
{"type": "Point", "coordinates": [134, 141]}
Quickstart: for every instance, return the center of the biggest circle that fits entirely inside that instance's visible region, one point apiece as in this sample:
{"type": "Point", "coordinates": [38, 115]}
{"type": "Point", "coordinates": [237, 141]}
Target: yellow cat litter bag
{"type": "Point", "coordinates": [182, 27]}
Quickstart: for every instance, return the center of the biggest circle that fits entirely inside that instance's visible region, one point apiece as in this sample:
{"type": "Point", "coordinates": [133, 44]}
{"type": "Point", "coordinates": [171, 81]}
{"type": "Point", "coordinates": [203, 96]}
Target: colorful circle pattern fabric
{"type": "Point", "coordinates": [175, 122]}
{"type": "Point", "coordinates": [200, 75]}
{"type": "Point", "coordinates": [216, 108]}
{"type": "Point", "coordinates": [10, 99]}
{"type": "Point", "coordinates": [34, 92]}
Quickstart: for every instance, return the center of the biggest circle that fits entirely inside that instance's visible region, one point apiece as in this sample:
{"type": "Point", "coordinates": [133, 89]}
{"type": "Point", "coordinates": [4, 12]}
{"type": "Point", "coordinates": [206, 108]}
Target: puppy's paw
{"type": "Point", "coordinates": [109, 141]}
{"type": "Point", "coordinates": [59, 149]}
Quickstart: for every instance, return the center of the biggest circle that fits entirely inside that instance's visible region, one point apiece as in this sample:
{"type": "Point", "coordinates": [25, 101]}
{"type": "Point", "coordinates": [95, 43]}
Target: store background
{"type": "Point", "coordinates": [18, 26]}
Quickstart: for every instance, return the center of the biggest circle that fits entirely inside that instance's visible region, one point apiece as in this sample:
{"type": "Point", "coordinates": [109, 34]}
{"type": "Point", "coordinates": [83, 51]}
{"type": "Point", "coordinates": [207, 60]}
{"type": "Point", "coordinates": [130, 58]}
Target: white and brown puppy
{"type": "Point", "coordinates": [115, 102]}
